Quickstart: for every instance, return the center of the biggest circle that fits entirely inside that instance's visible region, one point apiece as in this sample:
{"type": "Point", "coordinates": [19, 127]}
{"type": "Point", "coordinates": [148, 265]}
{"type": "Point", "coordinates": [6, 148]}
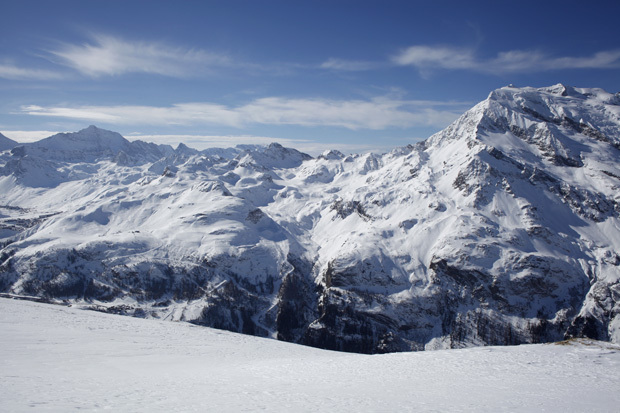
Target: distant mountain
{"type": "Point", "coordinates": [502, 229]}
{"type": "Point", "coordinates": [6, 143]}
{"type": "Point", "coordinates": [91, 144]}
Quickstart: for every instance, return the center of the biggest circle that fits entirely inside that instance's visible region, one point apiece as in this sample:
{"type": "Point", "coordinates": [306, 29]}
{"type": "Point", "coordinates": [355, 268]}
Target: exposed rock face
{"type": "Point", "coordinates": [501, 229]}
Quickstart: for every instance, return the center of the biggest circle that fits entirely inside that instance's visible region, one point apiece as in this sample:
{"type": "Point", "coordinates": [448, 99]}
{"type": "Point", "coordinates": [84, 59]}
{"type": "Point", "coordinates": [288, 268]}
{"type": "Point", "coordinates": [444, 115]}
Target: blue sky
{"type": "Point", "coordinates": [351, 75]}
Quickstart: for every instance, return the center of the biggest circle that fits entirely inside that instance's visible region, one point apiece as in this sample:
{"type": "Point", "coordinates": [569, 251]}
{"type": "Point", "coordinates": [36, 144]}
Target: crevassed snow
{"type": "Point", "coordinates": [60, 359]}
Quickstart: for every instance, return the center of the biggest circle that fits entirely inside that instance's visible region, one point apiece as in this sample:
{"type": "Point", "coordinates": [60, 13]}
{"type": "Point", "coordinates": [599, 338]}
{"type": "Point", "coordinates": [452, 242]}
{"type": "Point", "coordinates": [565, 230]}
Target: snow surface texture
{"type": "Point", "coordinates": [502, 229]}
{"type": "Point", "coordinates": [56, 358]}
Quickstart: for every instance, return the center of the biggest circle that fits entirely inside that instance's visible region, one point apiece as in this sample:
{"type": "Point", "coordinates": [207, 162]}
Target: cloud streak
{"type": "Point", "coordinates": [375, 114]}
{"type": "Point", "coordinates": [112, 56]}
{"type": "Point", "coordinates": [349, 65]}
{"type": "Point", "coordinates": [28, 136]}
{"type": "Point", "coordinates": [426, 58]}
{"type": "Point", "coordinates": [12, 72]}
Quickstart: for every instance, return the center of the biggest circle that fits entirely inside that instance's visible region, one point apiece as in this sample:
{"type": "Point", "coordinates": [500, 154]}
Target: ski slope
{"type": "Point", "coordinates": [55, 358]}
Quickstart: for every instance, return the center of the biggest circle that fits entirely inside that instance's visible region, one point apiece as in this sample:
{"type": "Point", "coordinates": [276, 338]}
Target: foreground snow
{"type": "Point", "coordinates": [59, 359]}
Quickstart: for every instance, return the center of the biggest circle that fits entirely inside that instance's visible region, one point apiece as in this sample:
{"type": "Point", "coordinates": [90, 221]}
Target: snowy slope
{"type": "Point", "coordinates": [6, 143]}
{"type": "Point", "coordinates": [56, 358]}
{"type": "Point", "coordinates": [502, 229]}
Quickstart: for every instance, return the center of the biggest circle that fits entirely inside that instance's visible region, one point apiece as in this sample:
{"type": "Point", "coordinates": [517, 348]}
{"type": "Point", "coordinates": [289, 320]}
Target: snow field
{"type": "Point", "coordinates": [55, 358]}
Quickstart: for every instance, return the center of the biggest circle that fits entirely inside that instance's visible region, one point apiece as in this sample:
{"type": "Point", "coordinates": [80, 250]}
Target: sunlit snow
{"type": "Point", "coordinates": [55, 358]}
{"type": "Point", "coordinates": [501, 229]}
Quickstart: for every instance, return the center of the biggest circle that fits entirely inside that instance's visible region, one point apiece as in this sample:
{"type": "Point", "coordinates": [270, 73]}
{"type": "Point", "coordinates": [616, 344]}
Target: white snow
{"type": "Point", "coordinates": [60, 359]}
{"type": "Point", "coordinates": [403, 211]}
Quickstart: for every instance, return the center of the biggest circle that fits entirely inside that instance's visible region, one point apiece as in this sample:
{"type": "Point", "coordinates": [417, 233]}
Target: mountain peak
{"type": "Point", "coordinates": [526, 110]}
{"type": "Point", "coordinates": [275, 156]}
{"type": "Point", "coordinates": [557, 91]}
{"type": "Point", "coordinates": [88, 144]}
{"type": "Point", "coordinates": [183, 149]}
{"type": "Point", "coordinates": [90, 134]}
{"type": "Point", "coordinates": [501, 229]}
{"type": "Point", "coordinates": [331, 154]}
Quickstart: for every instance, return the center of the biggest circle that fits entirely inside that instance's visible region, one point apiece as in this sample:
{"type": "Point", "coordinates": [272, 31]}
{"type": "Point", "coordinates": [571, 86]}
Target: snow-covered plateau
{"type": "Point", "coordinates": [61, 359]}
{"type": "Point", "coordinates": [502, 229]}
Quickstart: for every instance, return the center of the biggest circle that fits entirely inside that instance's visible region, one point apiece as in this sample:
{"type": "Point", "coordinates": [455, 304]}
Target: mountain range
{"type": "Point", "coordinates": [502, 229]}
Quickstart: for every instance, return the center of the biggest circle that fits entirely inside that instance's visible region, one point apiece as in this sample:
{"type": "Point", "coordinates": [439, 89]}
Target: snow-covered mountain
{"type": "Point", "coordinates": [93, 144]}
{"type": "Point", "coordinates": [502, 229]}
{"type": "Point", "coordinates": [6, 143]}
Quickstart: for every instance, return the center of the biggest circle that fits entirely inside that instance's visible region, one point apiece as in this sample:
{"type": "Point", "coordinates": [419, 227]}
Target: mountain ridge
{"type": "Point", "coordinates": [501, 229]}
{"type": "Point", "coordinates": [6, 143]}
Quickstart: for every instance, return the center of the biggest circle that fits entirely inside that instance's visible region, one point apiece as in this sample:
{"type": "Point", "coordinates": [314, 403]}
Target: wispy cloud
{"type": "Point", "coordinates": [28, 136]}
{"type": "Point", "coordinates": [85, 113]}
{"type": "Point", "coordinates": [444, 57]}
{"type": "Point", "coordinates": [348, 65]}
{"type": "Point", "coordinates": [179, 114]}
{"type": "Point", "coordinates": [377, 113]}
{"type": "Point", "coordinates": [109, 55]}
{"type": "Point", "coordinates": [12, 72]}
